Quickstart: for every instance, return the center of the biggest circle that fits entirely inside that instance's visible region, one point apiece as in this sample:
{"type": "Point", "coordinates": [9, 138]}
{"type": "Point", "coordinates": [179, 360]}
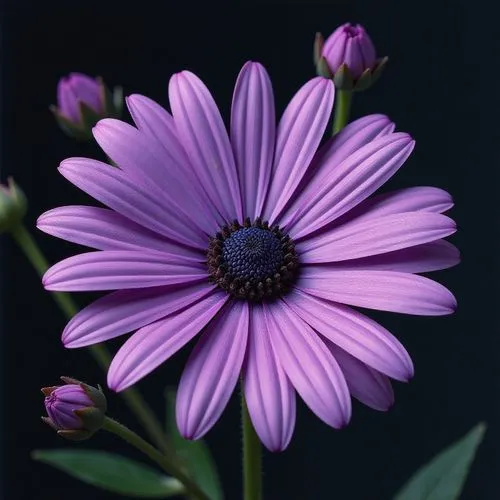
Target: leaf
{"type": "Point", "coordinates": [444, 476]}
{"type": "Point", "coordinates": [195, 455]}
{"type": "Point", "coordinates": [111, 472]}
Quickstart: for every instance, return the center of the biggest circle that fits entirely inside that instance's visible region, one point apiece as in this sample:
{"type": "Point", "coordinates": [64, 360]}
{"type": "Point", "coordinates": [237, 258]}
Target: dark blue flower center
{"type": "Point", "coordinates": [252, 253]}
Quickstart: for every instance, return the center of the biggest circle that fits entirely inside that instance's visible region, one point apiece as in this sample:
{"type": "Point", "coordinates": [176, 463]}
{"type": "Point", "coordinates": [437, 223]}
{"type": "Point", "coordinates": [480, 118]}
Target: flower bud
{"type": "Point", "coordinates": [348, 56]}
{"type": "Point", "coordinates": [76, 410]}
{"type": "Point", "coordinates": [82, 101]}
{"type": "Point", "coordinates": [13, 205]}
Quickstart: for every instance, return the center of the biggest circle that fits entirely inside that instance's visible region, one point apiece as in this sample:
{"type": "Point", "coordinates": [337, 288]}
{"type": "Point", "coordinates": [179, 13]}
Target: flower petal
{"type": "Point", "coordinates": [206, 142]}
{"type": "Point", "coordinates": [309, 365]}
{"type": "Point", "coordinates": [383, 290]}
{"type": "Point", "coordinates": [119, 191]}
{"type": "Point", "coordinates": [367, 385]}
{"type": "Point", "coordinates": [352, 181]}
{"type": "Point", "coordinates": [298, 136]}
{"type": "Point", "coordinates": [152, 165]}
{"type": "Point", "coordinates": [105, 229]}
{"type": "Point", "coordinates": [212, 371]}
{"type": "Point", "coordinates": [152, 345]}
{"type": "Point", "coordinates": [352, 137]}
{"type": "Point", "coordinates": [253, 130]}
{"type": "Point", "coordinates": [375, 236]}
{"type": "Point", "coordinates": [269, 395]}
{"type": "Point", "coordinates": [357, 334]}
{"type": "Point", "coordinates": [424, 258]}
{"type": "Point", "coordinates": [127, 310]}
{"type": "Point", "coordinates": [117, 269]}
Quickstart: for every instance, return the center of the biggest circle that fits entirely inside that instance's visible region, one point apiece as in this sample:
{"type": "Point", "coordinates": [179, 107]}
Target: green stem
{"type": "Point", "coordinates": [102, 356]}
{"type": "Point", "coordinates": [343, 100]}
{"type": "Point", "coordinates": [252, 456]}
{"type": "Point", "coordinates": [163, 461]}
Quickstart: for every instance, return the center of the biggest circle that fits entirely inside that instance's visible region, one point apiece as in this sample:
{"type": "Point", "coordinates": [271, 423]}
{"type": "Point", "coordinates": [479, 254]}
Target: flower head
{"type": "Point", "coordinates": [258, 241]}
{"type": "Point", "coordinates": [348, 55]}
{"type": "Point", "coordinates": [13, 205]}
{"type": "Point", "coordinates": [75, 410]}
{"type": "Point", "coordinates": [82, 101]}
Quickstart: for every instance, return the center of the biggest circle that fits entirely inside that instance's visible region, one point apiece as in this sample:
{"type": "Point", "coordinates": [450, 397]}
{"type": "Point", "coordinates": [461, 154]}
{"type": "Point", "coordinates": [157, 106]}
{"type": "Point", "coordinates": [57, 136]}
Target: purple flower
{"type": "Point", "coordinates": [260, 243]}
{"type": "Point", "coordinates": [77, 89]}
{"type": "Point", "coordinates": [75, 410]}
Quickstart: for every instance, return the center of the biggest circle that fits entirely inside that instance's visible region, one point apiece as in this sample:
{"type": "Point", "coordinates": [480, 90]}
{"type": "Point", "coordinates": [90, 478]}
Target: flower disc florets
{"type": "Point", "coordinates": [252, 261]}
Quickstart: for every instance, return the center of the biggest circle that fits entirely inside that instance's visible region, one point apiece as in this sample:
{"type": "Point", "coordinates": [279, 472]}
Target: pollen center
{"type": "Point", "coordinates": [252, 261]}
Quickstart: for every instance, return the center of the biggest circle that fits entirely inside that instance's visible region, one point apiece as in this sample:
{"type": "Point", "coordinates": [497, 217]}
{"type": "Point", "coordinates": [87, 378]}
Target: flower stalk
{"type": "Point", "coordinates": [343, 100]}
{"type": "Point", "coordinates": [133, 398]}
{"type": "Point", "coordinates": [252, 456]}
{"type": "Point", "coordinates": [192, 489]}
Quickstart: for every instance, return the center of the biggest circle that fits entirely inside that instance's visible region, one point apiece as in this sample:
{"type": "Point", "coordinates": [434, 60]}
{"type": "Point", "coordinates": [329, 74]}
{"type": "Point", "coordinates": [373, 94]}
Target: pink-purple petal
{"type": "Point", "coordinates": [424, 258]}
{"type": "Point", "coordinates": [120, 192]}
{"type": "Point", "coordinates": [375, 236]}
{"type": "Point", "coordinates": [356, 178]}
{"type": "Point", "coordinates": [299, 133]}
{"type": "Point", "coordinates": [105, 229]}
{"type": "Point", "coordinates": [212, 371]}
{"type": "Point", "coordinates": [253, 130]}
{"type": "Point", "coordinates": [365, 384]}
{"type": "Point", "coordinates": [357, 334]}
{"type": "Point", "coordinates": [269, 395]}
{"type": "Point", "coordinates": [382, 290]}
{"type": "Point", "coordinates": [152, 345]}
{"type": "Point", "coordinates": [127, 310]}
{"type": "Point", "coordinates": [117, 269]}
{"type": "Point", "coordinates": [309, 365]}
{"type": "Point", "coordinates": [205, 139]}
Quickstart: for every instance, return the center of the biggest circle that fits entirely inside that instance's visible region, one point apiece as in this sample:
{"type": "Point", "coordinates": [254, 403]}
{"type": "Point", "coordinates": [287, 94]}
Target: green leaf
{"type": "Point", "coordinates": [444, 476]}
{"type": "Point", "coordinates": [195, 455]}
{"type": "Point", "coordinates": [111, 472]}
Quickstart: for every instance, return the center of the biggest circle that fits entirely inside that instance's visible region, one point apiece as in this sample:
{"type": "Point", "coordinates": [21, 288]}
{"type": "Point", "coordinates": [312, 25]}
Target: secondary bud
{"type": "Point", "coordinates": [13, 205]}
{"type": "Point", "coordinates": [75, 410]}
{"type": "Point", "coordinates": [348, 56]}
{"type": "Point", "coordinates": [82, 101]}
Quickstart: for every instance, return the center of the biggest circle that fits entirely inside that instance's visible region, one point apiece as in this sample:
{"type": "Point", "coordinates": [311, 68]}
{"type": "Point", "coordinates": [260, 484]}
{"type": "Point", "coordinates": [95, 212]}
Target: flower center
{"type": "Point", "coordinates": [253, 261]}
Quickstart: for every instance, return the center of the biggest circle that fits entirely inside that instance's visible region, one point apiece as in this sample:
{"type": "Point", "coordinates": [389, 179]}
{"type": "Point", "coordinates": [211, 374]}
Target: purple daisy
{"type": "Point", "coordinates": [260, 243]}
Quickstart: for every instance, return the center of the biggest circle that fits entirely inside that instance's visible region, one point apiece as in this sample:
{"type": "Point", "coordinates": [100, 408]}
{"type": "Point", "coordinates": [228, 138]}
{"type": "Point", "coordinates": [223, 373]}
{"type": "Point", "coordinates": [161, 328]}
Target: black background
{"type": "Point", "coordinates": [440, 86]}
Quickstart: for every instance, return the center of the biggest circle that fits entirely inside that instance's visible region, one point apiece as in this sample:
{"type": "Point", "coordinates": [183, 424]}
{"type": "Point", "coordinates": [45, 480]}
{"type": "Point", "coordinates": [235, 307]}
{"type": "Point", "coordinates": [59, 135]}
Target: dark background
{"type": "Point", "coordinates": [440, 86]}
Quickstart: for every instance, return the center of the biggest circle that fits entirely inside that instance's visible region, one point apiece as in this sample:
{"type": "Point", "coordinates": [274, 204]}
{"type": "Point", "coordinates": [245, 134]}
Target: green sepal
{"type": "Point", "coordinates": [88, 117]}
{"type": "Point", "coordinates": [92, 418]}
{"type": "Point", "coordinates": [70, 128]}
{"type": "Point", "coordinates": [364, 81]}
{"type": "Point", "coordinates": [322, 68]}
{"type": "Point", "coordinates": [343, 79]}
{"type": "Point", "coordinates": [13, 206]}
{"type": "Point", "coordinates": [75, 434]}
{"type": "Point", "coordinates": [319, 41]}
{"type": "Point", "coordinates": [111, 472]}
{"type": "Point", "coordinates": [378, 68]}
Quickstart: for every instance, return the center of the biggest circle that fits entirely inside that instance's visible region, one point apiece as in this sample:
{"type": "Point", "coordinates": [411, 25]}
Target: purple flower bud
{"type": "Point", "coordinates": [76, 410]}
{"type": "Point", "coordinates": [352, 46]}
{"type": "Point", "coordinates": [82, 101]}
{"type": "Point", "coordinates": [13, 206]}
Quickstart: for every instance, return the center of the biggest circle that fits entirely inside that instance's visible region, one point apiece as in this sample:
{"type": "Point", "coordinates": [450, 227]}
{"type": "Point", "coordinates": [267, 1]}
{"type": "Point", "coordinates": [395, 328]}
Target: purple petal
{"type": "Point", "coordinates": [424, 258]}
{"type": "Point", "coordinates": [375, 236]}
{"type": "Point", "coordinates": [206, 141]}
{"type": "Point", "coordinates": [383, 290]}
{"type": "Point", "coordinates": [105, 229]}
{"type": "Point", "coordinates": [269, 395]}
{"type": "Point", "coordinates": [352, 137]}
{"type": "Point", "coordinates": [127, 310]}
{"type": "Point", "coordinates": [155, 122]}
{"type": "Point", "coordinates": [414, 199]}
{"type": "Point", "coordinates": [367, 385]}
{"type": "Point", "coordinates": [117, 269]}
{"type": "Point", "coordinates": [67, 101]}
{"type": "Point", "coordinates": [119, 191]}
{"type": "Point", "coordinates": [309, 365]}
{"type": "Point", "coordinates": [252, 135]}
{"type": "Point", "coordinates": [152, 345]}
{"type": "Point", "coordinates": [87, 89]}
{"type": "Point", "coordinates": [298, 136]}
{"type": "Point", "coordinates": [357, 334]}
{"type": "Point", "coordinates": [352, 181]}
{"type": "Point", "coordinates": [353, 57]}
{"type": "Point", "coordinates": [151, 165]}
{"type": "Point", "coordinates": [212, 371]}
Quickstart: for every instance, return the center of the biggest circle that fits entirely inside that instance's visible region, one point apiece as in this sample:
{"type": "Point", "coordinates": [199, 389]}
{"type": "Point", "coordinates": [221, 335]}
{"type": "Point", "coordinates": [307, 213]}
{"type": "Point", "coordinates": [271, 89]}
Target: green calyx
{"type": "Point", "coordinates": [13, 206]}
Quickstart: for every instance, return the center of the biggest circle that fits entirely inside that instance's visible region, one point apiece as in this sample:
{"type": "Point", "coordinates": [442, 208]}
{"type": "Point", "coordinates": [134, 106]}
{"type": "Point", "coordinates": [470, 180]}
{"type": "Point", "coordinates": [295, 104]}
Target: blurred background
{"type": "Point", "coordinates": [440, 86]}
